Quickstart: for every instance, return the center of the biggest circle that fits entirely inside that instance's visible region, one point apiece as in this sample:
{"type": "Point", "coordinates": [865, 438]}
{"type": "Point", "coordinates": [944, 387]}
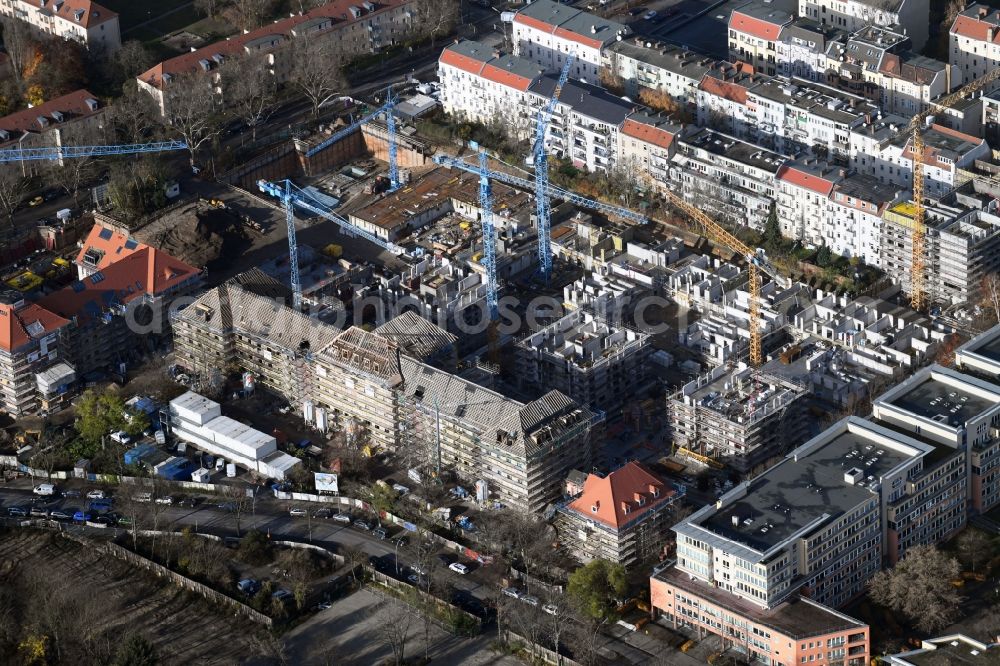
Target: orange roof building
{"type": "Point", "coordinates": [623, 517]}
{"type": "Point", "coordinates": [30, 341]}
{"type": "Point", "coordinates": [83, 21]}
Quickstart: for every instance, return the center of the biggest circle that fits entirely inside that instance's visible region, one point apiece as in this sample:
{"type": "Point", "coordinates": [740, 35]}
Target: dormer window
{"type": "Point", "coordinates": [57, 116]}
{"type": "Point", "coordinates": [78, 15]}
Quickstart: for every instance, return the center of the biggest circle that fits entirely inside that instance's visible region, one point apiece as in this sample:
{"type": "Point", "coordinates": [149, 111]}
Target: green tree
{"type": "Point", "coordinates": [772, 238]}
{"type": "Point", "coordinates": [99, 414]}
{"type": "Point", "coordinates": [382, 498]}
{"type": "Point", "coordinates": [597, 587]}
{"type": "Point", "coordinates": [136, 651]}
{"type": "Point", "coordinates": [824, 256]}
{"type": "Point", "coordinates": [920, 588]}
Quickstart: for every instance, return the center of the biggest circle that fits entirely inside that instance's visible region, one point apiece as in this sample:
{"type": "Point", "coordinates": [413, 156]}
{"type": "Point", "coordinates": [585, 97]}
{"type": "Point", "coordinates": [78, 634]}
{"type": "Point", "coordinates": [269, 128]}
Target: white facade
{"type": "Point", "coordinates": [851, 15]}
{"type": "Point", "coordinates": [82, 21]}
{"type": "Point", "coordinates": [974, 42]}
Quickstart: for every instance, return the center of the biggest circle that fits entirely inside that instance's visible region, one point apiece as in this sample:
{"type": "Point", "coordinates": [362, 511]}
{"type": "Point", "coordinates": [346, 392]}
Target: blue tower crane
{"type": "Point", "coordinates": [291, 197]}
{"type": "Point", "coordinates": [388, 108]}
{"type": "Point", "coordinates": [543, 212]}
{"type": "Point", "coordinates": [551, 191]}
{"type": "Point", "coordinates": [489, 239]}
{"type": "Point", "coordinates": [68, 152]}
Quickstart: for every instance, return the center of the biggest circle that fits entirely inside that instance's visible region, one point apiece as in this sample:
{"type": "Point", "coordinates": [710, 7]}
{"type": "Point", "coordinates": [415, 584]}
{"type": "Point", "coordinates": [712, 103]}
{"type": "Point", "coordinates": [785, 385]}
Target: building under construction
{"type": "Point", "coordinates": [737, 417]}
{"type": "Point", "coordinates": [596, 364]}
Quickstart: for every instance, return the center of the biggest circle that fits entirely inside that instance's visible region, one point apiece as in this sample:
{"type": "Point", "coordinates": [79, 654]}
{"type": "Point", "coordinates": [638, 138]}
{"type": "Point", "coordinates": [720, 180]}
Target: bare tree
{"type": "Point", "coordinates": [354, 556]}
{"type": "Point", "coordinates": [13, 187]}
{"type": "Point", "coordinates": [435, 18]}
{"type": "Point", "coordinates": [920, 588]}
{"type": "Point", "coordinates": [989, 293]}
{"type": "Point", "coordinates": [19, 44]}
{"type": "Point", "coordinates": [191, 111]}
{"type": "Point", "coordinates": [316, 70]}
{"type": "Point", "coordinates": [237, 503]}
{"type": "Point", "coordinates": [134, 116]}
{"type": "Point", "coordinates": [250, 14]}
{"type": "Point", "coordinates": [209, 7]}
{"type": "Point", "coordinates": [393, 621]}
{"type": "Point", "coordinates": [132, 59]}
{"type": "Point", "coordinates": [250, 91]}
{"type": "Point", "coordinates": [74, 173]}
{"type": "Point", "coordinates": [974, 547]}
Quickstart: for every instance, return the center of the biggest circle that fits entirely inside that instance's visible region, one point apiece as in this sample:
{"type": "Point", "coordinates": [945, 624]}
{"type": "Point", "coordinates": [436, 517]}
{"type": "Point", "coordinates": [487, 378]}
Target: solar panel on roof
{"type": "Point", "coordinates": [106, 234]}
{"type": "Point", "coordinates": [131, 244]}
{"type": "Point", "coordinates": [79, 286]}
{"type": "Point", "coordinates": [97, 277]}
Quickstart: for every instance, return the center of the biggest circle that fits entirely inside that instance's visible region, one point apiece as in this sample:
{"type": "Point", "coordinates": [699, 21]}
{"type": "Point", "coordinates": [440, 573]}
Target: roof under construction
{"type": "Point", "coordinates": [415, 336]}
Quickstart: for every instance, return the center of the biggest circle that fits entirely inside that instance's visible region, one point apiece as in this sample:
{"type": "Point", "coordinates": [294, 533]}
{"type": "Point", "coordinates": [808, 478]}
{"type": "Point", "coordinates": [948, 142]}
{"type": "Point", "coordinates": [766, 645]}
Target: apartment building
{"type": "Point", "coordinates": [946, 152]}
{"type": "Point", "coordinates": [119, 313]}
{"type": "Point", "coordinates": [737, 418]}
{"type": "Point", "coordinates": [83, 21]}
{"type": "Point", "coordinates": [547, 32]}
{"type": "Point", "coordinates": [642, 63]}
{"type": "Point", "coordinates": [646, 144]}
{"type": "Point", "coordinates": [722, 101]}
{"type": "Point", "coordinates": [72, 119]}
{"type": "Point", "coordinates": [480, 85]}
{"type": "Point", "coordinates": [594, 363]}
{"type": "Point", "coordinates": [245, 324]}
{"type": "Point", "coordinates": [961, 245]}
{"type": "Point", "coordinates": [980, 357]}
{"type": "Point", "coordinates": [909, 82]}
{"type": "Point", "coordinates": [32, 340]}
{"type": "Point", "coordinates": [854, 226]}
{"type": "Point", "coordinates": [856, 60]}
{"type": "Point", "coordinates": [953, 649]}
{"type": "Point", "coordinates": [911, 16]}
{"type": "Point", "coordinates": [974, 42]}
{"type": "Point", "coordinates": [731, 179]}
{"type": "Point", "coordinates": [804, 189]}
{"type": "Point", "coordinates": [624, 517]}
{"type": "Point", "coordinates": [356, 28]}
{"type": "Point", "coordinates": [957, 414]}
{"type": "Point", "coordinates": [754, 31]}
{"type": "Point", "coordinates": [801, 49]}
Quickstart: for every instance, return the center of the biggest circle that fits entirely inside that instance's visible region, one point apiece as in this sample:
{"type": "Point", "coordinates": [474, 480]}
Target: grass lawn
{"type": "Point", "coordinates": [133, 12]}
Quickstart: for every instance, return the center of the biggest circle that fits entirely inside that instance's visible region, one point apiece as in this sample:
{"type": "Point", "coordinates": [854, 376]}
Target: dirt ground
{"type": "Point", "coordinates": [195, 233]}
{"type": "Point", "coordinates": [184, 628]}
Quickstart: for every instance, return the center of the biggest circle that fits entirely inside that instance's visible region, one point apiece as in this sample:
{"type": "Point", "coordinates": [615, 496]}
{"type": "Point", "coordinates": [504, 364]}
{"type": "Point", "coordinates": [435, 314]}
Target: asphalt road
{"type": "Point", "coordinates": [271, 517]}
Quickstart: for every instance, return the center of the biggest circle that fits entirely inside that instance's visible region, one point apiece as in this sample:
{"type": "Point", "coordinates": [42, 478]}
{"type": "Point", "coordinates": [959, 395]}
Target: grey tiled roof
{"type": "Point", "coordinates": [416, 336]}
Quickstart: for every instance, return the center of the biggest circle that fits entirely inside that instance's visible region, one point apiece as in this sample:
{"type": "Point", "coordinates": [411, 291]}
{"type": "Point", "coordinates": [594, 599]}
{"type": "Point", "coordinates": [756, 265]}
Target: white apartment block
{"type": "Point", "coordinates": [640, 63]}
{"type": "Point", "coordinates": [479, 85]}
{"type": "Point", "coordinates": [728, 178]}
{"type": "Point", "coordinates": [646, 144]}
{"type": "Point", "coordinates": [83, 21]}
{"type": "Point", "coordinates": [754, 31]}
{"type": "Point", "coordinates": [801, 49]}
{"type": "Point", "coordinates": [974, 42]}
{"type": "Point", "coordinates": [946, 152]}
{"type": "Point", "coordinates": [804, 207]}
{"type": "Point", "coordinates": [854, 227]}
{"type": "Point", "coordinates": [548, 32]}
{"type": "Point", "coordinates": [908, 16]}
{"type": "Point", "coordinates": [812, 521]}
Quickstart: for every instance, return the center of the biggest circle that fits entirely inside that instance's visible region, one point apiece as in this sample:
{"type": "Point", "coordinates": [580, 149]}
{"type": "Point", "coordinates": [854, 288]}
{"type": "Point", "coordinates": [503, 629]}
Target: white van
{"type": "Point", "coordinates": [44, 490]}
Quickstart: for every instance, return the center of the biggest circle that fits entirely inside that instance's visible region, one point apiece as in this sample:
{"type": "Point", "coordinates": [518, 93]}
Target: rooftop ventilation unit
{"type": "Point", "coordinates": [853, 476]}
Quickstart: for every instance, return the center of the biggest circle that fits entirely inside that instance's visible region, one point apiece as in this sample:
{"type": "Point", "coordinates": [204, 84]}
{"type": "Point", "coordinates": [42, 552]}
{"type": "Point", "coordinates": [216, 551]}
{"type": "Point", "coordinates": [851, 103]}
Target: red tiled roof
{"type": "Point", "coordinates": [71, 106]}
{"type": "Point", "coordinates": [338, 11]}
{"type": "Point", "coordinates": [605, 500]}
{"type": "Point", "coordinates": [21, 326]}
{"type": "Point", "coordinates": [648, 133]}
{"type": "Point", "coordinates": [930, 155]}
{"type": "Point", "coordinates": [462, 61]}
{"type": "Point", "coordinates": [967, 26]}
{"type": "Point", "coordinates": [144, 271]}
{"type": "Point", "coordinates": [592, 42]}
{"type": "Point", "coordinates": [90, 13]}
{"type": "Point", "coordinates": [754, 26]}
{"type": "Point", "coordinates": [725, 89]}
{"type": "Point", "coordinates": [805, 180]}
{"type": "Point", "coordinates": [111, 244]}
{"type": "Point", "coordinates": [503, 77]}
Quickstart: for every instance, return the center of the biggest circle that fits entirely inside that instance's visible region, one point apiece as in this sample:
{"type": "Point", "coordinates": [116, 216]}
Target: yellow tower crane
{"type": "Point", "coordinates": [918, 290]}
{"type": "Point", "coordinates": [756, 264]}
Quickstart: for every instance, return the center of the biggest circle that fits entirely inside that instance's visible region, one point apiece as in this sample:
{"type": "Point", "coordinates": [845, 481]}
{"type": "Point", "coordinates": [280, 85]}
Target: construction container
{"type": "Point", "coordinates": [135, 455]}
{"type": "Point", "coordinates": [201, 475]}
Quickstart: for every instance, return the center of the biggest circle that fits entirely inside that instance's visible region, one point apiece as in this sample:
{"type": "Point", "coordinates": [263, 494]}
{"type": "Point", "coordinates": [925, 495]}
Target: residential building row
{"type": "Point", "coordinates": [350, 28]}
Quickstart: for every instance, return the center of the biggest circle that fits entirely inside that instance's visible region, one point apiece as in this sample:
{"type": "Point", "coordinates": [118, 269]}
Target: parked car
{"type": "Point", "coordinates": [96, 494]}
{"type": "Point", "coordinates": [298, 512]}
{"type": "Point", "coordinates": [343, 518]}
{"type": "Point", "coordinates": [39, 512]}
{"type": "Point", "coordinates": [362, 525]}
{"type": "Point", "coordinates": [445, 559]}
{"type": "Point", "coordinates": [61, 514]}
{"type": "Point", "coordinates": [248, 586]}
{"type": "Point", "coordinates": [512, 592]}
{"type": "Point", "coordinates": [530, 600]}
{"type": "Point", "coordinates": [100, 505]}
{"type": "Point", "coordinates": [17, 511]}
{"type": "Point", "coordinates": [188, 502]}
{"type": "Point", "coordinates": [72, 492]}
{"type": "Point", "coordinates": [651, 14]}
{"type": "Point", "coordinates": [551, 609]}
{"type": "Point", "coordinates": [282, 595]}
{"type": "Point", "coordinates": [81, 516]}
{"type": "Point", "coordinates": [380, 533]}
{"type": "Point", "coordinates": [166, 499]}
{"type": "Point", "coordinates": [144, 497]}
{"type": "Point", "coordinates": [635, 11]}
{"type": "Point", "coordinates": [44, 490]}
{"type": "Point", "coordinates": [459, 568]}
{"type": "Point", "coordinates": [322, 513]}
{"type": "Point", "coordinates": [417, 569]}
{"type": "Point", "coordinates": [37, 201]}
{"type": "Point", "coordinates": [413, 579]}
